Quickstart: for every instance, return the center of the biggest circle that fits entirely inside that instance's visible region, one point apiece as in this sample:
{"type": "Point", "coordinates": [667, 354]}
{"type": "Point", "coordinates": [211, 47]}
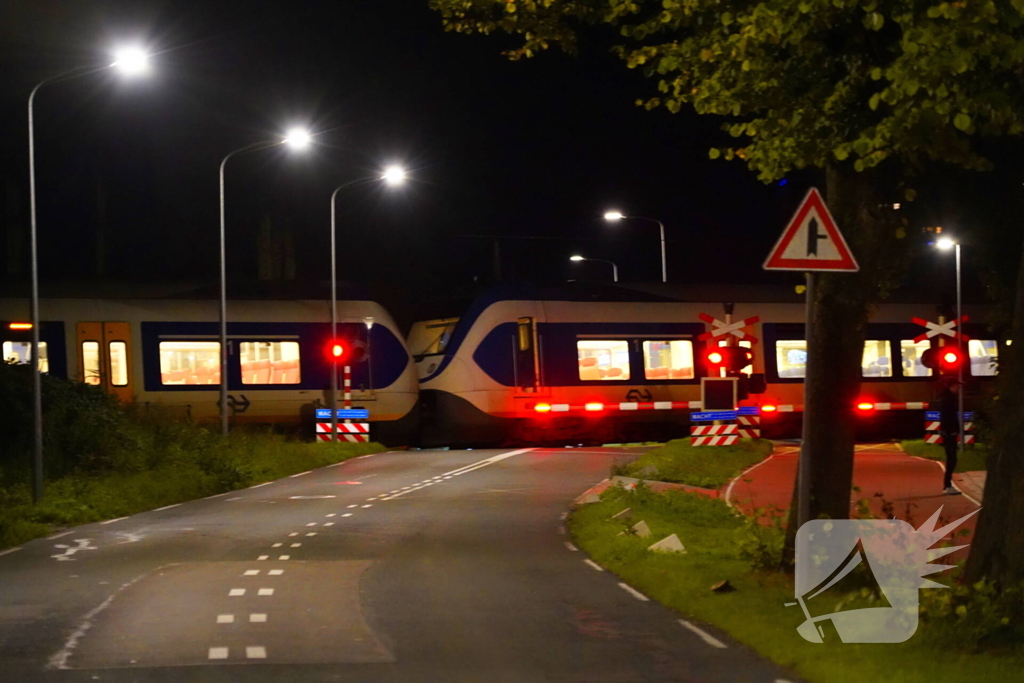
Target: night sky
{"type": "Point", "coordinates": [128, 169]}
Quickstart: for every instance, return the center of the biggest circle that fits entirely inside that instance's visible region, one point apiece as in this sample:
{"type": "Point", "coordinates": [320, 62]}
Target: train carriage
{"type": "Point", "coordinates": [167, 352]}
{"type": "Point", "coordinates": [584, 365]}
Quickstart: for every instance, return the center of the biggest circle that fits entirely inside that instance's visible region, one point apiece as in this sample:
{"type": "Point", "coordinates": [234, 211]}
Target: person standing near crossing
{"type": "Point", "coordinates": [949, 426]}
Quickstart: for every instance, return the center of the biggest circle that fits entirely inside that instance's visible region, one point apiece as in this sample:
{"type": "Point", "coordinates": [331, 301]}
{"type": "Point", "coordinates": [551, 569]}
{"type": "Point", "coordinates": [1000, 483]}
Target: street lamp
{"type": "Point", "coordinates": [945, 244]}
{"type": "Point", "coordinates": [615, 268]}
{"type": "Point", "coordinates": [613, 216]}
{"type": "Point", "coordinates": [392, 176]}
{"type": "Point", "coordinates": [298, 139]}
{"type": "Point", "coordinates": [129, 61]}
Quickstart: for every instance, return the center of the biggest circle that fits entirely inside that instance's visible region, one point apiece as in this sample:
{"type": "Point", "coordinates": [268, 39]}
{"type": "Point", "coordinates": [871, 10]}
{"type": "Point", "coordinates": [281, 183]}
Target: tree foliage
{"type": "Point", "coordinates": [803, 83]}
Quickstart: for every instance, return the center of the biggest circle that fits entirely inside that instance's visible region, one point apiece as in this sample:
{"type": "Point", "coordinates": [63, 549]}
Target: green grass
{"type": "Point", "coordinates": [710, 467]}
{"type": "Point", "coordinates": [195, 465]}
{"type": "Point", "coordinates": [975, 456]}
{"type": "Point", "coordinates": [720, 545]}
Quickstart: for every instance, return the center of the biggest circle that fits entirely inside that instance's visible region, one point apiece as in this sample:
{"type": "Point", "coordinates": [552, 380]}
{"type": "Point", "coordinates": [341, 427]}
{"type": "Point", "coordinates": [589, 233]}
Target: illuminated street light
{"type": "Point", "coordinates": [127, 62]}
{"type": "Point", "coordinates": [131, 61]}
{"type": "Point", "coordinates": [613, 216]}
{"type": "Point", "coordinates": [393, 176]}
{"type": "Point", "coordinates": [615, 268]}
{"type": "Point", "coordinates": [945, 244]}
{"type": "Point", "coordinates": [297, 139]}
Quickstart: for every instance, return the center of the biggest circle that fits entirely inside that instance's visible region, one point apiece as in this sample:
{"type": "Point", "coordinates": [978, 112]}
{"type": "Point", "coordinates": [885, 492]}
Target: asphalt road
{"type": "Point", "coordinates": [430, 566]}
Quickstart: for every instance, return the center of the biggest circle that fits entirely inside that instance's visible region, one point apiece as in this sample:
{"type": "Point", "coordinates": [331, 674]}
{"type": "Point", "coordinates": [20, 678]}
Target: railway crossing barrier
{"type": "Point", "coordinates": [352, 432]}
{"type": "Point", "coordinates": [724, 434]}
{"type": "Point", "coordinates": [933, 434]}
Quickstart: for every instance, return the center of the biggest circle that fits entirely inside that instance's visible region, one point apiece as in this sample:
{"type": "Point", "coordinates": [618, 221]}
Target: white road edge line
{"type": "Point", "coordinates": [111, 521]}
{"type": "Point", "coordinates": [300, 474]}
{"type": "Point", "coordinates": [60, 659]}
{"type": "Point", "coordinates": [742, 475]}
{"type": "Point", "coordinates": [593, 565]}
{"type": "Point", "coordinates": [571, 547]}
{"type": "Point", "coordinates": [942, 466]}
{"type": "Point", "coordinates": [266, 483]}
{"type": "Point", "coordinates": [12, 550]}
{"type": "Point", "coordinates": [634, 592]}
{"type": "Point", "coordinates": [56, 536]}
{"type": "Point", "coordinates": [469, 468]}
{"type": "Point", "coordinates": [704, 635]}
{"type": "Point", "coordinates": [167, 507]}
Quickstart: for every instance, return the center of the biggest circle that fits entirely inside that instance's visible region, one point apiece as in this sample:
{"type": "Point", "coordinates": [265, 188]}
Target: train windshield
{"type": "Point", "coordinates": [431, 337]}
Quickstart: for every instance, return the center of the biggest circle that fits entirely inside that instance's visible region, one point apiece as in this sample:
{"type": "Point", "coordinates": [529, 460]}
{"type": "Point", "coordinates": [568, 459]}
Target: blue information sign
{"type": "Point", "coordinates": [343, 413]}
{"type": "Point", "coordinates": [748, 410]}
{"type": "Point", "coordinates": [717, 415]}
{"type": "Point", "coordinates": [934, 415]}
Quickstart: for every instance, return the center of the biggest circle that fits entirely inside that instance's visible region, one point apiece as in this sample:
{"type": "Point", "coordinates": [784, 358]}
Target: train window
{"type": "Point", "coordinates": [190, 362]}
{"type": "Point", "coordinates": [668, 359]}
{"type": "Point", "coordinates": [910, 354]}
{"type": "Point", "coordinates": [605, 360]}
{"type": "Point", "coordinates": [877, 359]}
{"type": "Point", "coordinates": [525, 334]}
{"type": "Point", "coordinates": [21, 352]}
{"type": "Point", "coordinates": [791, 358]}
{"type": "Point", "coordinates": [983, 354]}
{"type": "Point", "coordinates": [118, 363]}
{"type": "Point", "coordinates": [269, 362]}
{"type": "Point", "coordinates": [91, 363]}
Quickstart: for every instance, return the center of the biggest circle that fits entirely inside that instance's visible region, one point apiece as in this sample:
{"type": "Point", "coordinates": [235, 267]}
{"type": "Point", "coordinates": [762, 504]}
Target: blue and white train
{"type": "Point", "coordinates": [166, 351]}
{"type": "Point", "coordinates": [615, 364]}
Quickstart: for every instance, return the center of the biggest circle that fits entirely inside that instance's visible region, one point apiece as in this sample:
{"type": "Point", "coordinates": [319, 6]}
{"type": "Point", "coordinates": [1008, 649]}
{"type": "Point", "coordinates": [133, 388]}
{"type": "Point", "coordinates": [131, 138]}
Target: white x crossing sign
{"type": "Point", "coordinates": [721, 329]}
{"type": "Point", "coordinates": [936, 329]}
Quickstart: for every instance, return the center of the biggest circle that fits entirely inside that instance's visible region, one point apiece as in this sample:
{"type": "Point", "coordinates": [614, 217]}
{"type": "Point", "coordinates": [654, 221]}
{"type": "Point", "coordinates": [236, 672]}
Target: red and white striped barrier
{"type": "Point", "coordinates": [713, 430]}
{"type": "Point", "coordinates": [597, 406]}
{"type": "Point", "coordinates": [933, 433]}
{"type": "Point", "coordinates": [724, 440]}
{"type": "Point", "coordinates": [353, 432]}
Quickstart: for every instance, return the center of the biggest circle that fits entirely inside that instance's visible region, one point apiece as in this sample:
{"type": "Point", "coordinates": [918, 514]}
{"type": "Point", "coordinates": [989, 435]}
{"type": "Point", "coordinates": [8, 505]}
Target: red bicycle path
{"type": "Point", "coordinates": [894, 484]}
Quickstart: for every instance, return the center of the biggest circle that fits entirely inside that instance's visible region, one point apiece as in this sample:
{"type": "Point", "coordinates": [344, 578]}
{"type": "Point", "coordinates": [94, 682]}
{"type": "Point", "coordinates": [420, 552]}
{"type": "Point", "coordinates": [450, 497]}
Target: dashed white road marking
{"type": "Point", "coordinates": [347, 514]}
{"type": "Point", "coordinates": [275, 572]}
{"type": "Point", "coordinates": [236, 592]}
{"type": "Point", "coordinates": [395, 491]}
{"type": "Point", "coordinates": [351, 506]}
{"type": "Point", "coordinates": [295, 545]}
{"type": "Point", "coordinates": [331, 515]}
{"type": "Point", "coordinates": [277, 545]}
{"type": "Point", "coordinates": [256, 652]}
{"type": "Point", "coordinates": [294, 533]}
{"type": "Point", "coordinates": [225, 618]}
{"type": "Point", "coordinates": [167, 507]}
{"type": "Point", "coordinates": [266, 483]}
{"type": "Point", "coordinates": [251, 572]}
{"type": "Point", "coordinates": [218, 495]}
{"type": "Point", "coordinates": [634, 592]}
{"type": "Point", "coordinates": [563, 515]}
{"type": "Point", "coordinates": [561, 530]}
{"type": "Point", "coordinates": [56, 536]}
{"type": "Point", "coordinates": [12, 550]}
{"type": "Point", "coordinates": [236, 498]}
{"type": "Point", "coordinates": [369, 499]}
{"type": "Point", "coordinates": [328, 523]}
{"type": "Point", "coordinates": [311, 533]}
{"type": "Point", "coordinates": [261, 558]}
{"type": "Point", "coordinates": [300, 474]}
{"type": "Point", "coordinates": [309, 497]}
{"type": "Point", "coordinates": [257, 618]}
{"type": "Point", "coordinates": [704, 635]}
{"type": "Point", "coordinates": [594, 565]}
{"type": "Point", "coordinates": [285, 557]}
{"type": "Point", "coordinates": [311, 524]}
{"type": "Point", "coordinates": [464, 470]}
{"type": "Point", "coordinates": [265, 591]}
{"type": "Point", "coordinates": [571, 547]}
{"type": "Point", "coordinates": [367, 506]}
{"type": "Point", "coordinates": [218, 653]}
{"type": "Point", "coordinates": [111, 521]}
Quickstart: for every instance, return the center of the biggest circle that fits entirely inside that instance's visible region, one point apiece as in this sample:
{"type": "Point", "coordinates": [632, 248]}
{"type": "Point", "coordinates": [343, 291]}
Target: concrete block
{"type": "Point", "coordinates": [624, 515]}
{"type": "Point", "coordinates": [590, 498]}
{"type": "Point", "coordinates": [641, 529]}
{"type": "Point", "coordinates": [669, 544]}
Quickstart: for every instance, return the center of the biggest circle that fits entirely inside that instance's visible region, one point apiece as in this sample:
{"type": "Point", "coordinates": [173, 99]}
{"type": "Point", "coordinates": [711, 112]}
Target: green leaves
{"type": "Point", "coordinates": [874, 21]}
{"type": "Point", "coordinates": [962, 121]}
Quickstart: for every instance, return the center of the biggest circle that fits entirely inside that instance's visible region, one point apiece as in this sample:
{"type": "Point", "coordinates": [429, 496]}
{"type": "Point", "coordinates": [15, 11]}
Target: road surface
{"type": "Point", "coordinates": [432, 566]}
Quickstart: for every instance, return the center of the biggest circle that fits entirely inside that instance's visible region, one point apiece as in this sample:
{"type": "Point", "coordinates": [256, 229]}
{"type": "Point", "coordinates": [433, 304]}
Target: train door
{"type": "Point", "coordinates": [526, 357]}
{"type": "Point", "coordinates": [104, 357]}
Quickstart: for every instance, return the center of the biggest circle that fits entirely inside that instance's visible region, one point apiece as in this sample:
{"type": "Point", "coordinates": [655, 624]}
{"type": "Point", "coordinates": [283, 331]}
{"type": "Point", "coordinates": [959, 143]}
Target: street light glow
{"type": "Point", "coordinates": [394, 175]}
{"type": "Point", "coordinates": [298, 138]}
{"type": "Point", "coordinates": [131, 61]}
{"type": "Point", "coordinates": [576, 257]}
{"type": "Point", "coordinates": [613, 216]}
{"type": "Point", "coordinates": [945, 243]}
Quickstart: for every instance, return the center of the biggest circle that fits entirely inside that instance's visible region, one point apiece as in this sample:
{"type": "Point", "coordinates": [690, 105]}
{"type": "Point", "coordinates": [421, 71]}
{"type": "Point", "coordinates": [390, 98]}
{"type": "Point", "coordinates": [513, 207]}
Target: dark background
{"type": "Point", "coordinates": [127, 169]}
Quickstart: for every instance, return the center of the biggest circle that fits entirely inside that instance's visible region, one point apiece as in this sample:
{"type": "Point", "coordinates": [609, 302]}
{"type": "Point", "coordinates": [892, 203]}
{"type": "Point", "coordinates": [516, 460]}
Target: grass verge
{"type": "Point", "coordinates": [679, 462]}
{"type": "Point", "coordinates": [952, 643]}
{"type": "Point", "coordinates": [975, 456]}
{"type": "Point", "coordinates": [188, 468]}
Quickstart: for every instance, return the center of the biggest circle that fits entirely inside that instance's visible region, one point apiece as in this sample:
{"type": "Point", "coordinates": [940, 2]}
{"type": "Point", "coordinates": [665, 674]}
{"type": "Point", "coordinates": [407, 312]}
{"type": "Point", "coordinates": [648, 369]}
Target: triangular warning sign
{"type": "Point", "coordinates": [812, 241]}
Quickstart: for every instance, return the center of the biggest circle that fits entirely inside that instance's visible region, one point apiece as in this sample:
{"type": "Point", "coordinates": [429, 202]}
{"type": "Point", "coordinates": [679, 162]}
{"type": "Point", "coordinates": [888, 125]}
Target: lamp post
{"type": "Point", "coordinates": [299, 139]}
{"type": "Point", "coordinates": [615, 268]}
{"type": "Point", "coordinates": [129, 61]}
{"type": "Point", "coordinates": [946, 243]}
{"type": "Point", "coordinates": [392, 176]}
{"type": "Point", "coordinates": [613, 216]}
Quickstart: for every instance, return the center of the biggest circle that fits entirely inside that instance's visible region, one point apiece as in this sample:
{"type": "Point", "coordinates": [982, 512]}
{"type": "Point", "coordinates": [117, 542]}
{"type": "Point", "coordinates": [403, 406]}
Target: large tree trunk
{"type": "Point", "coordinates": [836, 345]}
{"type": "Point", "coordinates": [997, 551]}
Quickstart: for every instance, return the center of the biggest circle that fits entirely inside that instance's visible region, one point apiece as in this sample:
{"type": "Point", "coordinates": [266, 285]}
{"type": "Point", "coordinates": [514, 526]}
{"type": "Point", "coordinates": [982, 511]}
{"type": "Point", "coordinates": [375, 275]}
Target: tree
{"type": "Point", "coordinates": [868, 92]}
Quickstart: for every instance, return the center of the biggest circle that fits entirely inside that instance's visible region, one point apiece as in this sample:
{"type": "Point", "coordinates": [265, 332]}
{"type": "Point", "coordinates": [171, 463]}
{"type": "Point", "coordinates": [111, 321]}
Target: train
{"type": "Point", "coordinates": [166, 351]}
{"type": "Point", "coordinates": [587, 365]}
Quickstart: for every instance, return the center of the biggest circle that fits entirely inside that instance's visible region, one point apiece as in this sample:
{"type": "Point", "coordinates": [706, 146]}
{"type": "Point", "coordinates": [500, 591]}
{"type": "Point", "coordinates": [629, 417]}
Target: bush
{"type": "Point", "coordinates": [678, 461]}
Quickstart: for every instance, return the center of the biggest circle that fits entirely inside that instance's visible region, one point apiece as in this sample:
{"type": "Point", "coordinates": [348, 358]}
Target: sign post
{"type": "Point", "coordinates": [811, 243]}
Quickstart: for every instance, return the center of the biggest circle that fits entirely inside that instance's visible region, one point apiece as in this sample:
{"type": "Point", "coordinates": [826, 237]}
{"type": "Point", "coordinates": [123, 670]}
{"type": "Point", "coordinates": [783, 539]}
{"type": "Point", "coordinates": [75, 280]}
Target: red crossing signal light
{"type": "Point", "coordinates": [337, 351]}
{"type": "Point", "coordinates": [945, 359]}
